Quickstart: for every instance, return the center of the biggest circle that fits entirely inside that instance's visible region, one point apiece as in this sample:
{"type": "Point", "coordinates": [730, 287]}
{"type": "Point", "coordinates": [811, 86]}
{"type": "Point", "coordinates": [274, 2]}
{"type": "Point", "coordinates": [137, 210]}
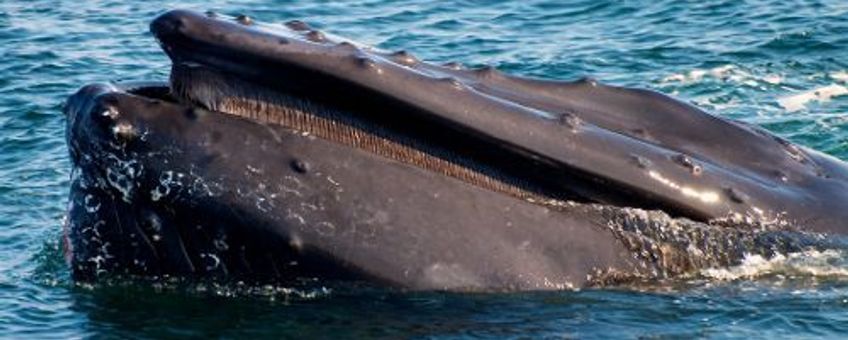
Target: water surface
{"type": "Point", "coordinates": [777, 64]}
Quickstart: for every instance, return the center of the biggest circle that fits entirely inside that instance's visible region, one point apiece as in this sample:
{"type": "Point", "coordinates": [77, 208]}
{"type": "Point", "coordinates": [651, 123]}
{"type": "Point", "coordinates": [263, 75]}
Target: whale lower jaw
{"type": "Point", "coordinates": [163, 189]}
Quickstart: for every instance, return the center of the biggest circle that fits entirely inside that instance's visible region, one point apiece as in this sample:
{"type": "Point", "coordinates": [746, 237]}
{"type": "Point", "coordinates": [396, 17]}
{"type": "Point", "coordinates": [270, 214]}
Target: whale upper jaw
{"type": "Point", "coordinates": [579, 140]}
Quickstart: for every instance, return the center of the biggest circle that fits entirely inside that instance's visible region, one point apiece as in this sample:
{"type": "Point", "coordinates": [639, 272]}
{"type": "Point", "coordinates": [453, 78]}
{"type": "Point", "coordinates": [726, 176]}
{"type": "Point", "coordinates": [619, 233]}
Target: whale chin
{"type": "Point", "coordinates": [281, 153]}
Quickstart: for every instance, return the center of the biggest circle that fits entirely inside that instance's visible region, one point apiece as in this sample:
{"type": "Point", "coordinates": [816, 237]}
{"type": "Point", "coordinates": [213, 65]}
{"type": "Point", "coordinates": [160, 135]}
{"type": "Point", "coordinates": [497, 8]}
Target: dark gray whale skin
{"type": "Point", "coordinates": [162, 186]}
{"type": "Point", "coordinates": [186, 191]}
{"type": "Point", "coordinates": [655, 151]}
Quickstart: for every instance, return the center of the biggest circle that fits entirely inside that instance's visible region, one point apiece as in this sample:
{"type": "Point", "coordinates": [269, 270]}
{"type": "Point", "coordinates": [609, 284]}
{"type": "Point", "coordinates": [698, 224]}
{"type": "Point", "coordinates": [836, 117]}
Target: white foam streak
{"type": "Point", "coordinates": [822, 94]}
{"type": "Point", "coordinates": [841, 76]}
{"type": "Point", "coordinates": [815, 263]}
{"type": "Point", "coordinates": [728, 73]}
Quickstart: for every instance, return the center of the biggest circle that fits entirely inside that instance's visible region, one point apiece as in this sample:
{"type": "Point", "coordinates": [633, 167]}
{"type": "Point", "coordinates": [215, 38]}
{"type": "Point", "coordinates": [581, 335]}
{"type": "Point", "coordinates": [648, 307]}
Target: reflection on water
{"type": "Point", "coordinates": [771, 306]}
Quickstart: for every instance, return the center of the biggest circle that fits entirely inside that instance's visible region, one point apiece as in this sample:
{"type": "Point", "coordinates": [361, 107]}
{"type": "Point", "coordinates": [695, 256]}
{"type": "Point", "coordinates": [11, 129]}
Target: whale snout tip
{"type": "Point", "coordinates": [83, 100]}
{"type": "Point", "coordinates": [172, 22]}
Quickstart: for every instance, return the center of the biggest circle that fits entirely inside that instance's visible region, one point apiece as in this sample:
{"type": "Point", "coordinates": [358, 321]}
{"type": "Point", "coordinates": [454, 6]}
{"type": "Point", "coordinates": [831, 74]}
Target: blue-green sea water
{"type": "Point", "coordinates": [779, 64]}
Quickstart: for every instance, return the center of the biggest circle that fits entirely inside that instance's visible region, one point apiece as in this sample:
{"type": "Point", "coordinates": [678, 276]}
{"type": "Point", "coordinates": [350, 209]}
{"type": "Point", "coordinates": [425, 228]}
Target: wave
{"type": "Point", "coordinates": [727, 73]}
{"type": "Point", "coordinates": [799, 101]}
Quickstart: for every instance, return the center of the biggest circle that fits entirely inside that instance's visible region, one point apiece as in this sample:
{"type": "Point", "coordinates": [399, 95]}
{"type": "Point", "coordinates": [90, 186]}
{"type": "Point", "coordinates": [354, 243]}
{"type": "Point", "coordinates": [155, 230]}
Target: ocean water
{"type": "Point", "coordinates": [778, 64]}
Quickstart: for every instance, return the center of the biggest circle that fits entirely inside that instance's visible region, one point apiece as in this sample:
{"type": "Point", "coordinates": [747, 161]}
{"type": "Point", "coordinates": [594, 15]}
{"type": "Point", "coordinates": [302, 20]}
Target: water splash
{"type": "Point", "coordinates": [831, 263]}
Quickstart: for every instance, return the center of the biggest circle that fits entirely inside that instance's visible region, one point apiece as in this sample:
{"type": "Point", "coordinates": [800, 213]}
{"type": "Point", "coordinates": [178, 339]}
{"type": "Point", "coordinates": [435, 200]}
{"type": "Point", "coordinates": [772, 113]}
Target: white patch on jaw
{"type": "Point", "coordinates": [292, 189]}
{"type": "Point", "coordinates": [215, 260]}
{"type": "Point", "coordinates": [253, 169]}
{"type": "Point", "coordinates": [325, 229]}
{"type": "Point", "coordinates": [295, 242]}
{"type": "Point", "coordinates": [110, 112]}
{"type": "Point", "coordinates": [221, 243]}
{"type": "Point", "coordinates": [167, 181]}
{"type": "Point", "coordinates": [260, 204]}
{"type": "Point", "coordinates": [332, 181]}
{"type": "Point", "coordinates": [448, 276]}
{"type": "Point", "coordinates": [155, 223]}
{"type": "Point", "coordinates": [157, 194]}
{"type": "Point", "coordinates": [295, 216]}
{"type": "Point", "coordinates": [121, 176]}
{"type": "Point", "coordinates": [123, 130]}
{"type": "Point", "coordinates": [91, 204]}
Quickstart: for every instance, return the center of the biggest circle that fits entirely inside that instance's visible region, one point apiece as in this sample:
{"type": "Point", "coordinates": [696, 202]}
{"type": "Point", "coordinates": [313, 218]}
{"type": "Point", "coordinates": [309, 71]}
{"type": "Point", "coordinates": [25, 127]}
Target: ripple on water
{"type": "Point", "coordinates": [773, 63]}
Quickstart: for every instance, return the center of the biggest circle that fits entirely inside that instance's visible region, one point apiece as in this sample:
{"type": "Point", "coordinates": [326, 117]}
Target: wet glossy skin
{"type": "Point", "coordinates": [661, 152]}
{"type": "Point", "coordinates": [168, 188]}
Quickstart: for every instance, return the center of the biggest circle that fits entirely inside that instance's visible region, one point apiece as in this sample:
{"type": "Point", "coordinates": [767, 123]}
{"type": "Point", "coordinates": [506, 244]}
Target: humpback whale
{"type": "Point", "coordinates": [281, 153]}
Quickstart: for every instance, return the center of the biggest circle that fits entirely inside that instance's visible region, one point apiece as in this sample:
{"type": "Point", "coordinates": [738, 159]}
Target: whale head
{"type": "Point", "coordinates": [279, 152]}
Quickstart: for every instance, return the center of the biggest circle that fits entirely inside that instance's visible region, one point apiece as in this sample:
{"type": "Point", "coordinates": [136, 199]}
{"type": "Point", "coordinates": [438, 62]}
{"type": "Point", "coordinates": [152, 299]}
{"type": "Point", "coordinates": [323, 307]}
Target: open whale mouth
{"type": "Point", "coordinates": [459, 123]}
{"type": "Point", "coordinates": [361, 98]}
{"type": "Point", "coordinates": [294, 153]}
